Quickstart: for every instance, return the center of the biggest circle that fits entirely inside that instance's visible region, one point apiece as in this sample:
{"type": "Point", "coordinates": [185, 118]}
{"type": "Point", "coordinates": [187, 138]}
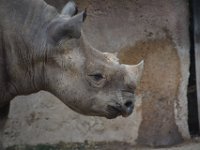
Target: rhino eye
{"type": "Point", "coordinates": [96, 80]}
{"type": "Point", "coordinates": [97, 77]}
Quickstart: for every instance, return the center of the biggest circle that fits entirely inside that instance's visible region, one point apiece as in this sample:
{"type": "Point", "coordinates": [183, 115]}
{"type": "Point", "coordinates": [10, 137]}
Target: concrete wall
{"type": "Point", "coordinates": [156, 31]}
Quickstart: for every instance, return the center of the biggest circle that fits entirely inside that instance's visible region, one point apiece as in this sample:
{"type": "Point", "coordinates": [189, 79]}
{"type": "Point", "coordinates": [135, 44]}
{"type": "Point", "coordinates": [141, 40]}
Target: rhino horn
{"type": "Point", "coordinates": [70, 9]}
{"type": "Point", "coordinates": [65, 27]}
{"type": "Point", "coordinates": [134, 73]}
{"type": "Point", "coordinates": [89, 50]}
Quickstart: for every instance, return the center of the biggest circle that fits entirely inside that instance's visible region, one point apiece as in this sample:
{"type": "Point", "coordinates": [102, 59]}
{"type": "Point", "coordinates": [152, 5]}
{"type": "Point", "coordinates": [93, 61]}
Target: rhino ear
{"type": "Point", "coordinates": [66, 27]}
{"type": "Point", "coordinates": [70, 9]}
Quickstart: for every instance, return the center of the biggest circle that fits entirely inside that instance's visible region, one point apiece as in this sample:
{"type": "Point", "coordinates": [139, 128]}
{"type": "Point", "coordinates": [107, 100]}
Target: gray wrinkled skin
{"type": "Point", "coordinates": [43, 50]}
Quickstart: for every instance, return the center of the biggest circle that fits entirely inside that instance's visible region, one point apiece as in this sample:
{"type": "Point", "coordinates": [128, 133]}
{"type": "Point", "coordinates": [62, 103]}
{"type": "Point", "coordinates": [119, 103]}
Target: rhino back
{"type": "Point", "coordinates": [25, 13]}
{"type": "Point", "coordinates": [22, 35]}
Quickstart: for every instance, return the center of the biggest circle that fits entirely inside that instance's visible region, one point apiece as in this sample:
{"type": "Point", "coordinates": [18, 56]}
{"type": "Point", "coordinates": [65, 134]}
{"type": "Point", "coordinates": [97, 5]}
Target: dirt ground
{"type": "Point", "coordinates": [190, 145]}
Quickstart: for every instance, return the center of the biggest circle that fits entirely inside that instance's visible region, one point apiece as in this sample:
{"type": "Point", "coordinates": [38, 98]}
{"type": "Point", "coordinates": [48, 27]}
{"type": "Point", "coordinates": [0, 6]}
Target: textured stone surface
{"type": "Point", "coordinates": [156, 31]}
{"type": "Point", "coordinates": [194, 145]}
{"type": "Point", "coordinates": [42, 118]}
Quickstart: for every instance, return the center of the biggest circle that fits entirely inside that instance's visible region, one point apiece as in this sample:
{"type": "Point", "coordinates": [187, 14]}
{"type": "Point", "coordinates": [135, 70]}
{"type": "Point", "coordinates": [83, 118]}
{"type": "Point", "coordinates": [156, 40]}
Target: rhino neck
{"type": "Point", "coordinates": [23, 48]}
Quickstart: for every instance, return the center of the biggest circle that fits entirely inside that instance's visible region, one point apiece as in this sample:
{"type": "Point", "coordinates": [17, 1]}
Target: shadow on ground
{"type": "Point", "coordinates": [187, 145]}
{"type": "Point", "coordinates": [75, 146]}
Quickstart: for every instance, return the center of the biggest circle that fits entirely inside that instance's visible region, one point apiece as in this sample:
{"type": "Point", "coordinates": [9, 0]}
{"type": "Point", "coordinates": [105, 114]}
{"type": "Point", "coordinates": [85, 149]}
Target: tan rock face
{"type": "Point", "coordinates": [159, 88]}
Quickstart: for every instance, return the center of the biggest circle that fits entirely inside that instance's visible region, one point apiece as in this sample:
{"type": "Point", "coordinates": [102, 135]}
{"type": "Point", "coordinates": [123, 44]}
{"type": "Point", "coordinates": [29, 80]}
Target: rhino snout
{"type": "Point", "coordinates": [124, 110]}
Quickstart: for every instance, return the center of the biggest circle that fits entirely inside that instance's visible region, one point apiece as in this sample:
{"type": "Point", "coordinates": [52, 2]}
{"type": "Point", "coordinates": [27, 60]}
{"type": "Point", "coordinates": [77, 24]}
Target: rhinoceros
{"type": "Point", "coordinates": [41, 49]}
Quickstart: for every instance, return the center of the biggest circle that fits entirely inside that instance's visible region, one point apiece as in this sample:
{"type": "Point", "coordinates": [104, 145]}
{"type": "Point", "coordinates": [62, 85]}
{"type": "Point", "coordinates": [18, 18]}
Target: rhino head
{"type": "Point", "coordinates": [85, 79]}
{"type": "Point", "coordinates": [50, 52]}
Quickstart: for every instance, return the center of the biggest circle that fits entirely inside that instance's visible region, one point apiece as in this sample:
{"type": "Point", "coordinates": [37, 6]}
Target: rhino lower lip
{"type": "Point", "coordinates": [113, 112]}
{"type": "Point", "coordinates": [111, 116]}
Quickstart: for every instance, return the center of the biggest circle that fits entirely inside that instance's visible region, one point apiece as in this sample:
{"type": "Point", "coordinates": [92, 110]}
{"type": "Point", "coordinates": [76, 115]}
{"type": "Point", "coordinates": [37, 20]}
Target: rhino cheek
{"type": "Point", "coordinates": [78, 99]}
{"type": "Point", "coordinates": [91, 107]}
{"type": "Point", "coordinates": [102, 99]}
{"type": "Point", "coordinates": [72, 91]}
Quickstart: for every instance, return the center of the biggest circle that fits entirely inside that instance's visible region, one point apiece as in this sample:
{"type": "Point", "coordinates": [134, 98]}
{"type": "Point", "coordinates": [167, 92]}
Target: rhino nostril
{"type": "Point", "coordinates": [127, 109]}
{"type": "Point", "coordinates": [129, 104]}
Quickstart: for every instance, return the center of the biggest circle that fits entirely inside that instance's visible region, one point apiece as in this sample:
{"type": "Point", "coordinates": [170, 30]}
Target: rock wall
{"type": "Point", "coordinates": [156, 31]}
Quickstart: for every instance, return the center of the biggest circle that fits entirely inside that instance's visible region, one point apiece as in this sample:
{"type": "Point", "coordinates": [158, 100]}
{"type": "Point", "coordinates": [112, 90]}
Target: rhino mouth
{"type": "Point", "coordinates": [115, 111]}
